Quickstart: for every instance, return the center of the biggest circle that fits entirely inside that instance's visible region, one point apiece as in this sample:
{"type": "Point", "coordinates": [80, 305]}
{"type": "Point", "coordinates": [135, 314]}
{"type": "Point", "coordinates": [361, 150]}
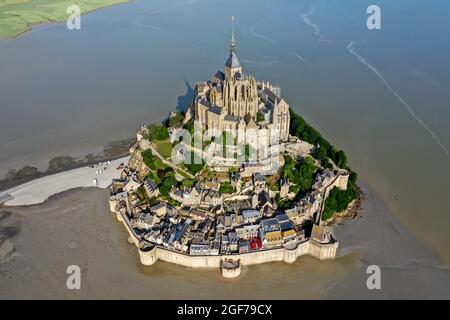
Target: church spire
{"type": "Point", "coordinates": [232, 66]}
{"type": "Point", "coordinates": [233, 38]}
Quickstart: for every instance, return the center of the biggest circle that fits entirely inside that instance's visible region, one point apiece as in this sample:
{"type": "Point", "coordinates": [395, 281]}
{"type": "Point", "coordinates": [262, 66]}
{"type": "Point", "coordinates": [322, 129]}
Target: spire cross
{"type": "Point", "coordinates": [233, 38]}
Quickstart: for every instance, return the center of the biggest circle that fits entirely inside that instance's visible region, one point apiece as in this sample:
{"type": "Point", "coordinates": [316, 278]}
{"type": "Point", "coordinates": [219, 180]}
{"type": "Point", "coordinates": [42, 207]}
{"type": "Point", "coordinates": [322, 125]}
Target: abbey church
{"type": "Point", "coordinates": [239, 103]}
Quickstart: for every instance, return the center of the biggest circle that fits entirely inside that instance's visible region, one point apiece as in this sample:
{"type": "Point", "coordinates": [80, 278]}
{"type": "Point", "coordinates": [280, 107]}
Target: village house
{"type": "Point", "coordinates": [146, 221]}
{"type": "Point", "coordinates": [265, 204]}
{"type": "Point", "coordinates": [233, 241]}
{"type": "Point", "coordinates": [198, 214]}
{"type": "Point", "coordinates": [270, 233]}
{"type": "Point", "coordinates": [297, 214]}
{"type": "Point", "coordinates": [224, 244]}
{"type": "Point", "coordinates": [244, 246]}
{"type": "Point", "coordinates": [177, 195]}
{"type": "Point", "coordinates": [132, 183]}
{"type": "Point", "coordinates": [251, 216]}
{"type": "Point", "coordinates": [248, 232]}
{"type": "Point", "coordinates": [214, 247]}
{"type": "Point", "coordinates": [162, 209]}
{"type": "Point", "coordinates": [323, 180]}
{"type": "Point", "coordinates": [199, 249]}
{"type": "Point", "coordinates": [211, 197]}
{"type": "Point", "coordinates": [284, 188]}
{"type": "Point", "coordinates": [211, 184]}
{"type": "Point", "coordinates": [235, 181]}
{"type": "Point", "coordinates": [286, 227]}
{"type": "Point", "coordinates": [259, 181]}
{"type": "Point", "coordinates": [151, 188]}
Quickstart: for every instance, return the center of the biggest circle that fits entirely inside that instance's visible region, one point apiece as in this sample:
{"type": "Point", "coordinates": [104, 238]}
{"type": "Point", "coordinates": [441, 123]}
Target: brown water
{"type": "Point", "coordinates": [75, 228]}
{"type": "Point", "coordinates": [67, 92]}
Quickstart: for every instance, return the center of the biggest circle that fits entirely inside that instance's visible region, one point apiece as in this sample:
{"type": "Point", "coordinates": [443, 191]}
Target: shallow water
{"type": "Point", "coordinates": [82, 232]}
{"type": "Point", "coordinates": [384, 99]}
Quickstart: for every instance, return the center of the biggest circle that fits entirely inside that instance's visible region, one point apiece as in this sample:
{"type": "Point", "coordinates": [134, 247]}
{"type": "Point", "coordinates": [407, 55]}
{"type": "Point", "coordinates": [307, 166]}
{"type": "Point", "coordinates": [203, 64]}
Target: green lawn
{"type": "Point", "coordinates": [188, 183]}
{"type": "Point", "coordinates": [17, 16]}
{"type": "Point", "coordinates": [165, 148]}
{"type": "Point", "coordinates": [194, 168]}
{"type": "Point", "coordinates": [226, 187]}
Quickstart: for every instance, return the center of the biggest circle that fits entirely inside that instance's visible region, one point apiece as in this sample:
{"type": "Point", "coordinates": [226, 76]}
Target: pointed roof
{"type": "Point", "coordinates": [250, 121]}
{"type": "Point", "coordinates": [233, 61]}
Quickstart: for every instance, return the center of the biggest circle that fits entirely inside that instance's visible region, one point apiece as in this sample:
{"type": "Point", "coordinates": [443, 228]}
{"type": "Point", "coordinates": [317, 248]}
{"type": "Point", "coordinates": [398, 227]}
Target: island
{"type": "Point", "coordinates": [236, 179]}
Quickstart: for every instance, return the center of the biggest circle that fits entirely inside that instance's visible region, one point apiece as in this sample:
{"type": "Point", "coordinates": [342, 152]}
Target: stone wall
{"type": "Point", "coordinates": [310, 247]}
{"type": "Point", "coordinates": [149, 256]}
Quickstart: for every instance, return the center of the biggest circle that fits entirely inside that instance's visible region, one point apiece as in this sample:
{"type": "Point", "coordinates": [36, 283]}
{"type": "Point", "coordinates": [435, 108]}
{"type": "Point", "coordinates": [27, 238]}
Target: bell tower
{"type": "Point", "coordinates": [232, 66]}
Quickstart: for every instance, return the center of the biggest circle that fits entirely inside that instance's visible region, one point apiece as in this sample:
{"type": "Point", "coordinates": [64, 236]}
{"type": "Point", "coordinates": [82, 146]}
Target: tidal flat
{"type": "Point", "coordinates": [76, 228]}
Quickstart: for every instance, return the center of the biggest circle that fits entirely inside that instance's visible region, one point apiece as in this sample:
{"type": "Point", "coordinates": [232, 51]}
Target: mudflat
{"type": "Point", "coordinates": [76, 228]}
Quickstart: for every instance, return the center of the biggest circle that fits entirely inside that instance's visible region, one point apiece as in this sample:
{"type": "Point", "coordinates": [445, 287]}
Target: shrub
{"type": "Point", "coordinates": [167, 184]}
{"type": "Point", "coordinates": [338, 200]}
{"type": "Point", "coordinates": [158, 132]}
{"type": "Point", "coordinates": [195, 168]}
{"type": "Point", "coordinates": [176, 121]}
{"type": "Point", "coordinates": [151, 161]}
{"type": "Point", "coordinates": [300, 173]}
{"type": "Point", "coordinates": [300, 128]}
{"type": "Point", "coordinates": [226, 187]}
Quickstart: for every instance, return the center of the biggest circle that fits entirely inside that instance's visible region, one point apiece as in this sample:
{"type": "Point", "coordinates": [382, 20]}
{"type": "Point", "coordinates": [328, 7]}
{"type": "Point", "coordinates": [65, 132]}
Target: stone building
{"type": "Point", "coordinates": [231, 102]}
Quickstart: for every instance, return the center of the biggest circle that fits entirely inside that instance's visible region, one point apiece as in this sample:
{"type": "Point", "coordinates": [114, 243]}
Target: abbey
{"type": "Point", "coordinates": [239, 103]}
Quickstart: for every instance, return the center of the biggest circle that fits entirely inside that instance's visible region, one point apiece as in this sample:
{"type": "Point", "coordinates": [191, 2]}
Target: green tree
{"type": "Point", "coordinates": [321, 153]}
{"type": "Point", "coordinates": [189, 182]}
{"type": "Point", "coordinates": [151, 161]}
{"type": "Point", "coordinates": [326, 163]}
{"type": "Point", "coordinates": [167, 184]}
{"type": "Point", "coordinates": [353, 177]}
{"type": "Point", "coordinates": [158, 132]}
{"type": "Point", "coordinates": [301, 129]}
{"type": "Point", "coordinates": [338, 200]}
{"type": "Point", "coordinates": [300, 173]}
{"type": "Point", "coordinates": [196, 165]}
{"type": "Point", "coordinates": [226, 187]}
{"type": "Point", "coordinates": [341, 159]}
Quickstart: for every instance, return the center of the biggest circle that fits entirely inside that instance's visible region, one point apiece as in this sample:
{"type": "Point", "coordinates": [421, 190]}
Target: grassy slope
{"type": "Point", "coordinates": [17, 16]}
{"type": "Point", "coordinates": [165, 148]}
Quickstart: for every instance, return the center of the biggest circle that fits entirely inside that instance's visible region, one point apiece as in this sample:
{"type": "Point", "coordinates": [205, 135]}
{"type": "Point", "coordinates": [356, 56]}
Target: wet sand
{"type": "Point", "coordinates": [75, 227]}
{"type": "Point", "coordinates": [39, 190]}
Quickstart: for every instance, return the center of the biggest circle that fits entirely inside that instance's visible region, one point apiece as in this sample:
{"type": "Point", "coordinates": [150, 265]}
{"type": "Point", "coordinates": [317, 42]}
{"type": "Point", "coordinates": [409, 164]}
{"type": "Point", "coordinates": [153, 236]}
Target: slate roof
{"type": "Point", "coordinates": [233, 61]}
{"type": "Point", "coordinates": [220, 76]}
